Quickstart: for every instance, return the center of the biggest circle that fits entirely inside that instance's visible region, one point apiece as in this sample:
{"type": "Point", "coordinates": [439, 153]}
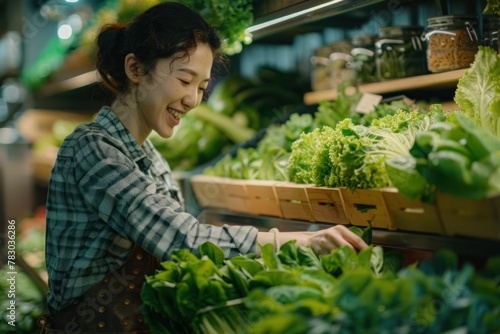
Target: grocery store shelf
{"type": "Point", "coordinates": [435, 80]}
{"type": "Point", "coordinates": [396, 239]}
{"type": "Point", "coordinates": [75, 82]}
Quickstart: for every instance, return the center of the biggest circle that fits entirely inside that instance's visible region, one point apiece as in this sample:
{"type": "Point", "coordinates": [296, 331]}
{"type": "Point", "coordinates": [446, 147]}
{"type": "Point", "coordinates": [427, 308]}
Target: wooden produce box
{"type": "Point", "coordinates": [327, 205]}
{"type": "Point", "coordinates": [235, 195]}
{"type": "Point", "coordinates": [210, 191]}
{"type": "Point", "coordinates": [367, 205]}
{"type": "Point", "coordinates": [412, 214]}
{"type": "Point", "coordinates": [470, 217]}
{"type": "Point", "coordinates": [294, 201]}
{"type": "Point", "coordinates": [262, 198]}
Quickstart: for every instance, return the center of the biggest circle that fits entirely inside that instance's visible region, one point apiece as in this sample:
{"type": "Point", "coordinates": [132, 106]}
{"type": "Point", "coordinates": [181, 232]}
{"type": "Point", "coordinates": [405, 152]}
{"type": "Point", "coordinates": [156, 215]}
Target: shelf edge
{"type": "Point", "coordinates": [445, 79]}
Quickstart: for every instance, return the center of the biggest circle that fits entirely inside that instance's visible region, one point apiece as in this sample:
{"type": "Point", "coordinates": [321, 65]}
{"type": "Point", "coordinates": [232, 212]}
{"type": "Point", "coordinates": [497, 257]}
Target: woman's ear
{"type": "Point", "coordinates": [133, 68]}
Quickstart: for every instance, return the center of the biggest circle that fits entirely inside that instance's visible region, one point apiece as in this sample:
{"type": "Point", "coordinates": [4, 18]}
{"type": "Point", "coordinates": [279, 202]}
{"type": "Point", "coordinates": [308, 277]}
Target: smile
{"type": "Point", "coordinates": [175, 114]}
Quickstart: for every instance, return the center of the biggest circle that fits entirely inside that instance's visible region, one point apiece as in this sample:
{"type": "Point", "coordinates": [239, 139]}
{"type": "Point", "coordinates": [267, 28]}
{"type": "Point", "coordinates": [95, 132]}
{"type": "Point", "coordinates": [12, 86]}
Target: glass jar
{"type": "Point", "coordinates": [321, 68]}
{"type": "Point", "coordinates": [341, 62]}
{"type": "Point", "coordinates": [363, 57]}
{"type": "Point", "coordinates": [452, 42]}
{"type": "Point", "coordinates": [399, 52]}
{"type": "Point", "coordinates": [491, 29]}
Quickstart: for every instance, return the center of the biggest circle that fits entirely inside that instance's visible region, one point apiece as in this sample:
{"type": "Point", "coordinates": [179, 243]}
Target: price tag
{"type": "Point", "coordinates": [368, 102]}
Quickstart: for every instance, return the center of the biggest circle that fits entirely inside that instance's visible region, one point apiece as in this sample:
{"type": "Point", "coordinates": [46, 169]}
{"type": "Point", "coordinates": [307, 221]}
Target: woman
{"type": "Point", "coordinates": [113, 209]}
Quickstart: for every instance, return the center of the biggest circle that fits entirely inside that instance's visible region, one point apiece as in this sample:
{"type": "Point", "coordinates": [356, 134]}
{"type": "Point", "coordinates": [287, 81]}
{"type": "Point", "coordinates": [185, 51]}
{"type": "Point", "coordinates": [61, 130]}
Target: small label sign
{"type": "Point", "coordinates": [368, 102]}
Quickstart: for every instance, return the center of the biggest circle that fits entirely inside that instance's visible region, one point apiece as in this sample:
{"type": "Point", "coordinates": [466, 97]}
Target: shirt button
{"type": "Point", "coordinates": [136, 271]}
{"type": "Point", "coordinates": [131, 286]}
{"type": "Point", "coordinates": [101, 324]}
{"type": "Point", "coordinates": [106, 279]}
{"type": "Point", "coordinates": [138, 256]}
{"type": "Point", "coordinates": [126, 301]}
{"type": "Point", "coordinates": [125, 322]}
{"type": "Point", "coordinates": [101, 309]}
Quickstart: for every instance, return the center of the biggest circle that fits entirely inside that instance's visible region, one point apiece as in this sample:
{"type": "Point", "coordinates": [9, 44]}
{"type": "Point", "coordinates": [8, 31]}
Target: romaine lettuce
{"type": "Point", "coordinates": [478, 91]}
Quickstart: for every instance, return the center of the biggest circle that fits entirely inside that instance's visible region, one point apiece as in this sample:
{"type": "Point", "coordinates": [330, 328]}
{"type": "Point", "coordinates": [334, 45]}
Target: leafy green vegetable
{"type": "Point", "coordinates": [229, 18]}
{"type": "Point", "coordinates": [456, 157]}
{"type": "Point", "coordinates": [342, 292]}
{"type": "Point", "coordinates": [478, 91]}
{"type": "Point", "coordinates": [492, 7]}
{"type": "Point", "coordinates": [267, 161]}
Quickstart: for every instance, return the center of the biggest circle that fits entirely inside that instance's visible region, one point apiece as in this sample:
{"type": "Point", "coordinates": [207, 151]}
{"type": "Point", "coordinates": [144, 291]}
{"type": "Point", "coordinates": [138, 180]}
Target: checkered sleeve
{"type": "Point", "coordinates": [126, 199]}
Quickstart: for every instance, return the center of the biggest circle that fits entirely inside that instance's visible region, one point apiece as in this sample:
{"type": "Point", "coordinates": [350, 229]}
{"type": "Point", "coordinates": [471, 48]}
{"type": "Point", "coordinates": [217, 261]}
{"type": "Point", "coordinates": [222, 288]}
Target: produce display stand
{"type": "Point", "coordinates": [468, 246]}
{"type": "Point", "coordinates": [464, 225]}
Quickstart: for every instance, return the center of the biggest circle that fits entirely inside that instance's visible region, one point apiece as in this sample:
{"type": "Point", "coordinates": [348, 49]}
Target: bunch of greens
{"type": "Point", "coordinates": [230, 18]}
{"type": "Point", "coordinates": [492, 7]}
{"type": "Point", "coordinates": [353, 156]}
{"type": "Point", "coordinates": [437, 296]}
{"type": "Point", "coordinates": [204, 293]}
{"type": "Point", "coordinates": [330, 113]}
{"type": "Point", "coordinates": [269, 159]}
{"type": "Point", "coordinates": [292, 290]}
{"type": "Point", "coordinates": [478, 91]}
{"type": "Point", "coordinates": [456, 157]}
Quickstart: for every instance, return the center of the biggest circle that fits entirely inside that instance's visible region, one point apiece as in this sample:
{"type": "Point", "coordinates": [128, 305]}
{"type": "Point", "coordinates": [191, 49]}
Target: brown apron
{"type": "Point", "coordinates": [110, 306]}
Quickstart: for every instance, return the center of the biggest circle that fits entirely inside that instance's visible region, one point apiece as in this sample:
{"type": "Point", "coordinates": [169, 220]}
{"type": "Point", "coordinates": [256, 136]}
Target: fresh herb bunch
{"type": "Point", "coordinates": [229, 18]}
{"type": "Point", "coordinates": [292, 290]}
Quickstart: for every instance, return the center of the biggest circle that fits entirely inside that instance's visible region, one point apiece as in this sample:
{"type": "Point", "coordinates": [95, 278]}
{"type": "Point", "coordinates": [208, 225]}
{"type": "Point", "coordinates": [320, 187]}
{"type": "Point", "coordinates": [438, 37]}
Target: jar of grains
{"type": "Point", "coordinates": [363, 54]}
{"type": "Point", "coordinates": [400, 52]}
{"type": "Point", "coordinates": [452, 42]}
{"type": "Point", "coordinates": [342, 69]}
{"type": "Point", "coordinates": [321, 68]}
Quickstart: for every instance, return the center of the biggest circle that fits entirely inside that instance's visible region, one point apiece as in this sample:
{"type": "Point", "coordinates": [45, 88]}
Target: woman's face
{"type": "Point", "coordinates": [172, 89]}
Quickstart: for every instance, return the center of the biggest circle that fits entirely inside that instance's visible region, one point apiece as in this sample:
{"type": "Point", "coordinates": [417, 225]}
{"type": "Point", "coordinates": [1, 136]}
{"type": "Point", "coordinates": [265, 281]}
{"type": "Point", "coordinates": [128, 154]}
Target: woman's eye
{"type": "Point", "coordinates": [184, 82]}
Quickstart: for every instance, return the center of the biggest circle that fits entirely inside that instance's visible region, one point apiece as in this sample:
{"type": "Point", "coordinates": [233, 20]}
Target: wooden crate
{"type": "Point", "coordinates": [470, 217]}
{"type": "Point", "coordinates": [236, 196]}
{"type": "Point", "coordinates": [327, 205]}
{"type": "Point", "coordinates": [262, 199]}
{"type": "Point", "coordinates": [364, 205]}
{"type": "Point", "coordinates": [209, 191]}
{"type": "Point", "coordinates": [411, 214]}
{"type": "Point", "coordinates": [293, 200]}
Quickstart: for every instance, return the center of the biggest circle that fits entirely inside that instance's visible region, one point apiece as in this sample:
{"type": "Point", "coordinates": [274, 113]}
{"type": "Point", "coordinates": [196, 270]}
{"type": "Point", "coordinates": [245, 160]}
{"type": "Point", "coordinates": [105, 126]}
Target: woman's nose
{"type": "Point", "coordinates": [191, 98]}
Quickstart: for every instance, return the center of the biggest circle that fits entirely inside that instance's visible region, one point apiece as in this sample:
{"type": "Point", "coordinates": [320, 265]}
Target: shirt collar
{"type": "Point", "coordinates": [108, 120]}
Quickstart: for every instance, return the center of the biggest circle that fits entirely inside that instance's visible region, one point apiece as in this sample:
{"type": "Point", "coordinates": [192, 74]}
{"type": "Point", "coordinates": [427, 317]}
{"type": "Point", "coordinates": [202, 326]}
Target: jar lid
{"type": "Point", "coordinates": [450, 20]}
{"type": "Point", "coordinates": [400, 31]}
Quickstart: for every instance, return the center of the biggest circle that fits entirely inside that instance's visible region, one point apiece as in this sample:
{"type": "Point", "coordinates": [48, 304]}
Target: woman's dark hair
{"type": "Point", "coordinates": [159, 32]}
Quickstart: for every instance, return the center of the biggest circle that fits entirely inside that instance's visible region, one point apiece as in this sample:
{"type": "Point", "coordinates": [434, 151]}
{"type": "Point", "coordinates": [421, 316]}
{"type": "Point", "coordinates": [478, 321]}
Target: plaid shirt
{"type": "Point", "coordinates": [107, 193]}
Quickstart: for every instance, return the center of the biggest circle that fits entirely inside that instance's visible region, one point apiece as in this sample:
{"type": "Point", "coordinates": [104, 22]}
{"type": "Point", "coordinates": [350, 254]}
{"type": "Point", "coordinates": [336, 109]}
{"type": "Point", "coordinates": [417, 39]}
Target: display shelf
{"type": "Point", "coordinates": [395, 239]}
{"type": "Point", "coordinates": [428, 81]}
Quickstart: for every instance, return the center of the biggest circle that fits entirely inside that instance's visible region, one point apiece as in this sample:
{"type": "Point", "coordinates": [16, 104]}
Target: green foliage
{"type": "Point", "coordinates": [353, 156]}
{"type": "Point", "coordinates": [478, 91]}
{"type": "Point", "coordinates": [456, 157]}
{"type": "Point", "coordinates": [492, 7]}
{"type": "Point", "coordinates": [294, 291]}
{"type": "Point", "coordinates": [229, 18]}
{"type": "Point", "coordinates": [267, 161]}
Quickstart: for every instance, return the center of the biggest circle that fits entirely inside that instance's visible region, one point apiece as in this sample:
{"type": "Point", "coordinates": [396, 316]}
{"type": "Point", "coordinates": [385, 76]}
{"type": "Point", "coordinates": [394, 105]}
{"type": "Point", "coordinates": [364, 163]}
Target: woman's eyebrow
{"type": "Point", "coordinates": [193, 73]}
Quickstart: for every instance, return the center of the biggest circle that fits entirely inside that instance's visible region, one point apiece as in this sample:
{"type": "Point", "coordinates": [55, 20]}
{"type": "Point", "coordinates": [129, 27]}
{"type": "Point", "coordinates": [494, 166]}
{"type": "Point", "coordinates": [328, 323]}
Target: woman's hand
{"type": "Point", "coordinates": [321, 242]}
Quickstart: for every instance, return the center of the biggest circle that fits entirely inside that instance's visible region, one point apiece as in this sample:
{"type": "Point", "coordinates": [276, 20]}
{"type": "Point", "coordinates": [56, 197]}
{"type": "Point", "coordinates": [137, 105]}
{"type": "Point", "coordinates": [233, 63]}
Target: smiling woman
{"type": "Point", "coordinates": [113, 207]}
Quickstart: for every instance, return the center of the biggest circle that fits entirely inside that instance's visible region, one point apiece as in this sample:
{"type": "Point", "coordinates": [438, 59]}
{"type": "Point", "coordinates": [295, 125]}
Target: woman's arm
{"type": "Point", "coordinates": [321, 242]}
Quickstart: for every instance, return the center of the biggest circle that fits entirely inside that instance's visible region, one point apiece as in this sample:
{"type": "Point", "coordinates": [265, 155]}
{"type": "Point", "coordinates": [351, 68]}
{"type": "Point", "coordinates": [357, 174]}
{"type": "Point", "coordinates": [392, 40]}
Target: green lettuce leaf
{"type": "Point", "coordinates": [478, 91]}
{"type": "Point", "coordinates": [492, 7]}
